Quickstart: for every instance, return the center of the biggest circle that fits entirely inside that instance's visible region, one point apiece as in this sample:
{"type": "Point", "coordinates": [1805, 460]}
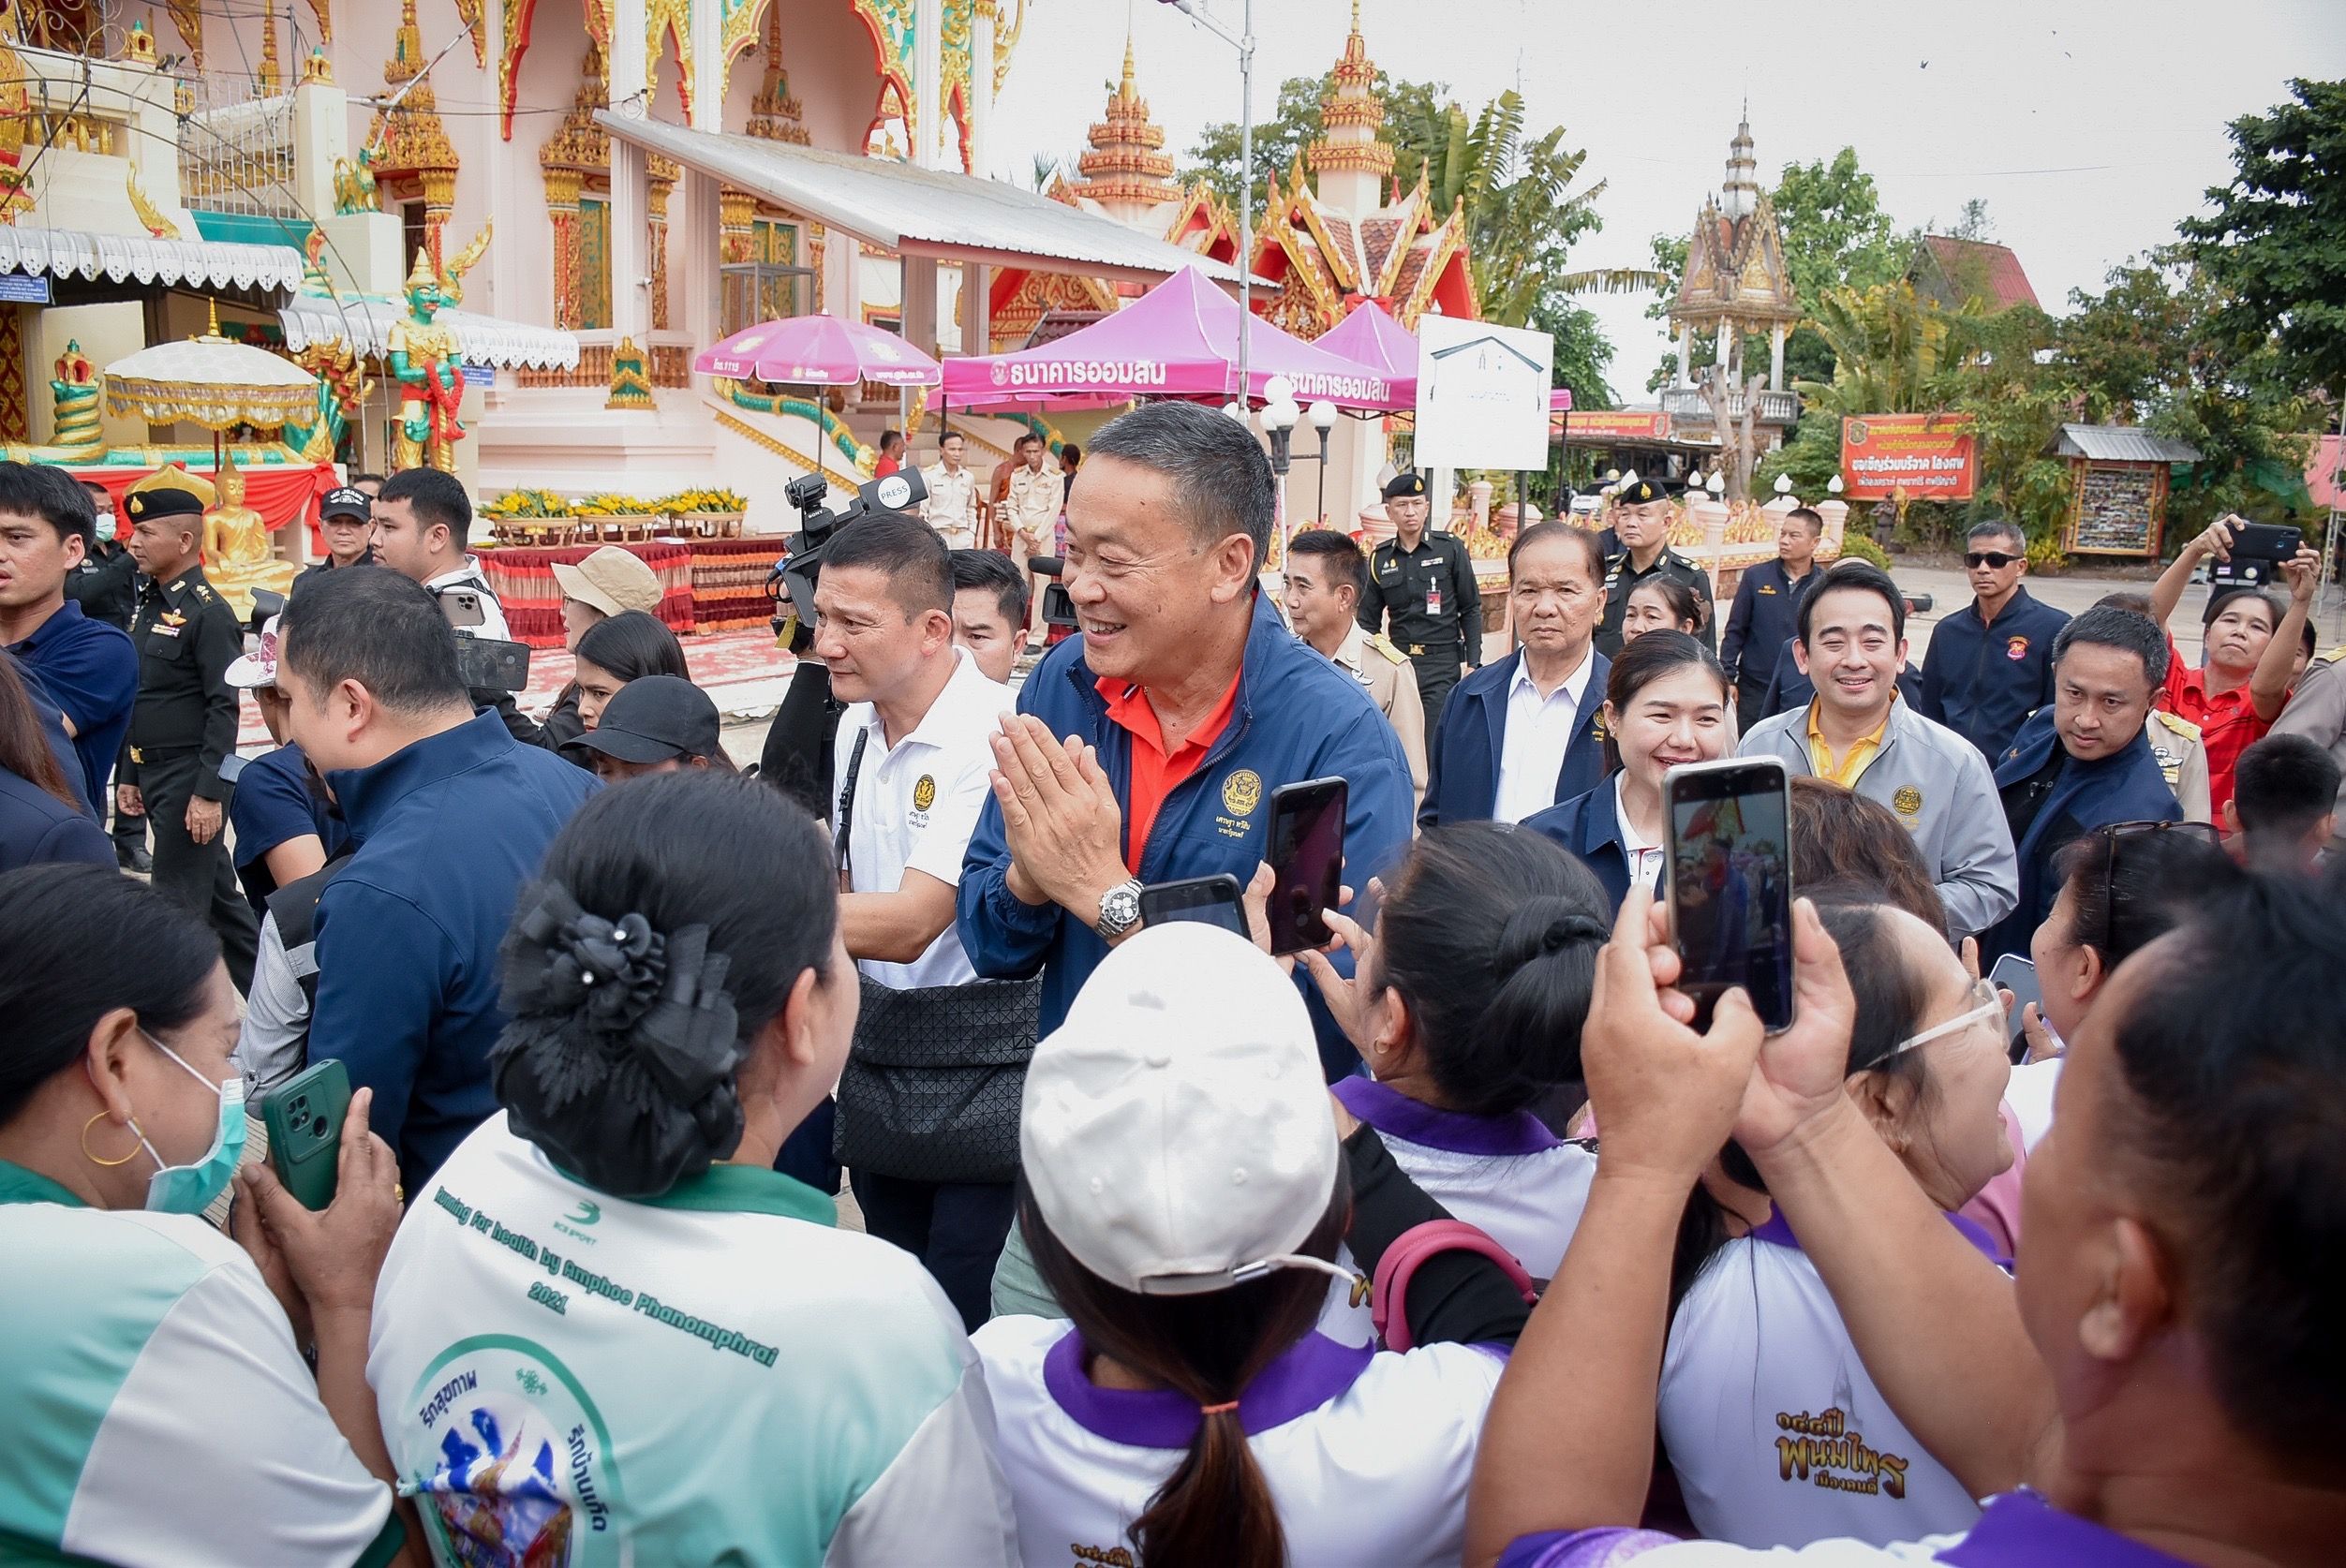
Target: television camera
{"type": "Point", "coordinates": [794, 576]}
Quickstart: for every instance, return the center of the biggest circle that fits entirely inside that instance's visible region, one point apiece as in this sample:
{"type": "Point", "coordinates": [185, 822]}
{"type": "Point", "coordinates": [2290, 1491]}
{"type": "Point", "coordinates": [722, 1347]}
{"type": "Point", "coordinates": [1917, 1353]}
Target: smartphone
{"type": "Point", "coordinates": [489, 664]}
{"type": "Point", "coordinates": [1210, 900]}
{"type": "Point", "coordinates": [304, 1121]}
{"type": "Point", "coordinates": [1729, 883]}
{"type": "Point", "coordinates": [2258, 550]}
{"type": "Point", "coordinates": [2017, 975]}
{"type": "Point", "coordinates": [1307, 861]}
{"type": "Point", "coordinates": [462, 606]}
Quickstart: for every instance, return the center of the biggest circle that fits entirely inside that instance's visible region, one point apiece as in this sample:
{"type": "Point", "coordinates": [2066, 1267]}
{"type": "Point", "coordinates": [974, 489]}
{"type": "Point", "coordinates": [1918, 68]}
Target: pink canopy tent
{"type": "Point", "coordinates": [1371, 337]}
{"type": "Point", "coordinates": [820, 351]}
{"type": "Point", "coordinates": [1180, 339]}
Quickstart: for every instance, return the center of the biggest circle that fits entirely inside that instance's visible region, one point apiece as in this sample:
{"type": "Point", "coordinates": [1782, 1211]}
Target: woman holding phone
{"type": "Point", "coordinates": [1666, 701]}
{"type": "Point", "coordinates": [159, 1410]}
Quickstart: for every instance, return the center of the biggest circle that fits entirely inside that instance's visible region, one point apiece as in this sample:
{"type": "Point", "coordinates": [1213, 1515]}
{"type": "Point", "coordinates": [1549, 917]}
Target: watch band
{"type": "Point", "coordinates": [1108, 928]}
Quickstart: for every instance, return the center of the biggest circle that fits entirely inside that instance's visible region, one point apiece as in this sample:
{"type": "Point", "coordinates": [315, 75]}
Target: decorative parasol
{"type": "Point", "coordinates": [819, 351]}
{"type": "Point", "coordinates": [210, 381]}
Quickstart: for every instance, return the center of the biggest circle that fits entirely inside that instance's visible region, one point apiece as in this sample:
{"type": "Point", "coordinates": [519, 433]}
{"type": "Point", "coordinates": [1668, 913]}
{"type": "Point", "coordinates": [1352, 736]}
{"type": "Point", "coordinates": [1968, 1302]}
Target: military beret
{"type": "Point", "coordinates": [1402, 485]}
{"type": "Point", "coordinates": [1640, 491]}
{"type": "Point", "coordinates": [169, 491]}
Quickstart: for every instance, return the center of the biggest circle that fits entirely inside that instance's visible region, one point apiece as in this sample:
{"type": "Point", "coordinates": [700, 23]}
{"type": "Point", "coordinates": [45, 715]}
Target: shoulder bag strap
{"type": "Point", "coordinates": [847, 804]}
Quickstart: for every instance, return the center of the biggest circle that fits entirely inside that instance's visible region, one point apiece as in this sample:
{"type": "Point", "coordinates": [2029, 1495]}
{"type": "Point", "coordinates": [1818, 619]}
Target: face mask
{"type": "Point", "coordinates": [106, 527]}
{"type": "Point", "coordinates": [190, 1189]}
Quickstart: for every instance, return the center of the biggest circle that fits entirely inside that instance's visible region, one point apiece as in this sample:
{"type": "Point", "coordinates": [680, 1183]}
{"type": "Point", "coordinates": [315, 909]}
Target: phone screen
{"type": "Point", "coordinates": [1207, 900]}
{"type": "Point", "coordinates": [1730, 885]}
{"type": "Point", "coordinates": [1307, 861]}
{"type": "Point", "coordinates": [2017, 975]}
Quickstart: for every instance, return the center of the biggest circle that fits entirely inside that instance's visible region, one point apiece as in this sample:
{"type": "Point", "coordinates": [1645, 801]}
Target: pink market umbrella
{"type": "Point", "coordinates": [1374, 338]}
{"type": "Point", "coordinates": [1180, 339]}
{"type": "Point", "coordinates": [820, 351]}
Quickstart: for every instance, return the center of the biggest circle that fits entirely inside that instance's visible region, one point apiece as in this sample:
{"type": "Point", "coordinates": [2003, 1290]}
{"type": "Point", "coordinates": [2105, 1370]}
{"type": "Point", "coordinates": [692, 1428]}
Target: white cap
{"type": "Point", "coordinates": [1176, 1131]}
{"type": "Point", "coordinates": [248, 670]}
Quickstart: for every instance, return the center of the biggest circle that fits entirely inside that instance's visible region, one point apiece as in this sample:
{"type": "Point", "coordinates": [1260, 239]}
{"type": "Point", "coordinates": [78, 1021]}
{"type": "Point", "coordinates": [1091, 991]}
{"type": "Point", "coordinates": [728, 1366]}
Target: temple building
{"type": "Point", "coordinates": [1340, 235]}
{"type": "Point", "coordinates": [1734, 284]}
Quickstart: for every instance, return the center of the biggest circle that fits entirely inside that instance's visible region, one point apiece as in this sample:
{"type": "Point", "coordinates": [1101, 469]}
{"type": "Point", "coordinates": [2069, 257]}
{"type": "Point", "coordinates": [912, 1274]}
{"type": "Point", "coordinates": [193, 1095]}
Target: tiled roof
{"type": "Point", "coordinates": [1983, 271]}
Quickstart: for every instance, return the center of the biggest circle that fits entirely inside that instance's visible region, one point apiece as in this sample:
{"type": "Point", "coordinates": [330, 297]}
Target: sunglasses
{"type": "Point", "coordinates": [2110, 833]}
{"type": "Point", "coordinates": [1996, 558]}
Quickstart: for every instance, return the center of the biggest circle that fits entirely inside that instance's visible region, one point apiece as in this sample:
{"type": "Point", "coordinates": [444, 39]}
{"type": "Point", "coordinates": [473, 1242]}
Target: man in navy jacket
{"type": "Point", "coordinates": [2083, 762]}
{"type": "Point", "coordinates": [1760, 624]}
{"type": "Point", "coordinates": [85, 666]}
{"type": "Point", "coordinates": [1538, 711]}
{"type": "Point", "coordinates": [452, 816]}
{"type": "Point", "coordinates": [1146, 749]}
{"type": "Point", "coordinates": [1990, 664]}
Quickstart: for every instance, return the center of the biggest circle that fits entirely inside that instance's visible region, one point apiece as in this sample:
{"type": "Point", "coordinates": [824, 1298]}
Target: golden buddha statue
{"type": "Point", "coordinates": [236, 555]}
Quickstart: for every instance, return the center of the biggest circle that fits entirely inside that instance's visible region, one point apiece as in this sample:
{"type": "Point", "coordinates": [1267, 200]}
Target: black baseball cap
{"type": "Point", "coordinates": [653, 719]}
{"type": "Point", "coordinates": [346, 501]}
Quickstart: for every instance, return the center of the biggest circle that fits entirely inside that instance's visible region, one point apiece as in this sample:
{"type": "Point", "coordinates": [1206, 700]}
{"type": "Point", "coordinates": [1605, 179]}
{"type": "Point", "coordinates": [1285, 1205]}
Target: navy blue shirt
{"type": "Point", "coordinates": [2061, 799]}
{"type": "Point", "coordinates": [1462, 758]}
{"type": "Point", "coordinates": [35, 827]}
{"type": "Point", "coordinates": [274, 803]}
{"type": "Point", "coordinates": [449, 830]}
{"type": "Point", "coordinates": [1761, 623]}
{"type": "Point", "coordinates": [1589, 825]}
{"type": "Point", "coordinates": [51, 720]}
{"type": "Point", "coordinates": [90, 671]}
{"type": "Point", "coordinates": [1983, 681]}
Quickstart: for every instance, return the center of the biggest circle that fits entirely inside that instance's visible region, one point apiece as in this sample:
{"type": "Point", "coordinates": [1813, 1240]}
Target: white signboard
{"type": "Point", "coordinates": [1482, 395]}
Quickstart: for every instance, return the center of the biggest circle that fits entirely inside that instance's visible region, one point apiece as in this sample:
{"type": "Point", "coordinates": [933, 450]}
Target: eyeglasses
{"type": "Point", "coordinates": [2110, 833]}
{"type": "Point", "coordinates": [1986, 1004]}
{"type": "Point", "coordinates": [1996, 558]}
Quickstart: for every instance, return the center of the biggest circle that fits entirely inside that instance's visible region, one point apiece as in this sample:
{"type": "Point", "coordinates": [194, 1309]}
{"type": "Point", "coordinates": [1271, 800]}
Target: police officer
{"type": "Point", "coordinates": [105, 585]}
{"type": "Point", "coordinates": [184, 725]}
{"type": "Point", "coordinates": [1641, 513]}
{"type": "Point", "coordinates": [1426, 583]}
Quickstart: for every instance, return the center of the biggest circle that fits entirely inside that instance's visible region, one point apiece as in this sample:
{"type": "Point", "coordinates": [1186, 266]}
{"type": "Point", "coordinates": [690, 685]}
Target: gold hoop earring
{"type": "Point", "coordinates": [93, 1158]}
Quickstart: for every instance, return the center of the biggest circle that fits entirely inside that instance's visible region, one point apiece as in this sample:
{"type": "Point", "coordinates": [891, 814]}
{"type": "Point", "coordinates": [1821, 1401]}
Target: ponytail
{"type": "Point", "coordinates": [1216, 1506]}
{"type": "Point", "coordinates": [1491, 935]}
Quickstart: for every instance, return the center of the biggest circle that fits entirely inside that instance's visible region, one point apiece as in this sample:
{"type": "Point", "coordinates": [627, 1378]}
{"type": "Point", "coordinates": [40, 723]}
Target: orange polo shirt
{"type": "Point", "coordinates": [1154, 772]}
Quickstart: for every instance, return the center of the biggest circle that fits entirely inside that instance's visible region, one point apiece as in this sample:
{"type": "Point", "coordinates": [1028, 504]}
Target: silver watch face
{"type": "Point", "coordinates": [1119, 907]}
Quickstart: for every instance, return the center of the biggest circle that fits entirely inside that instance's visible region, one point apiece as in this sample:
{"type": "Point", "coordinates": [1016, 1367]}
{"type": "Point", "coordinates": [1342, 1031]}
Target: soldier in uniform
{"type": "Point", "coordinates": [184, 725]}
{"type": "Point", "coordinates": [2317, 710]}
{"type": "Point", "coordinates": [1425, 583]}
{"type": "Point", "coordinates": [1325, 571]}
{"type": "Point", "coordinates": [1641, 519]}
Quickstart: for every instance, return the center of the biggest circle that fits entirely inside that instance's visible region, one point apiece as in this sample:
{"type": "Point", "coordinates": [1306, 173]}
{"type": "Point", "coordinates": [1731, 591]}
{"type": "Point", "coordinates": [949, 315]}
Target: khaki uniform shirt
{"type": "Point", "coordinates": [1384, 671]}
{"type": "Point", "coordinates": [2317, 710]}
{"type": "Point", "coordinates": [2175, 742]}
{"type": "Point", "coordinates": [1034, 508]}
{"type": "Point", "coordinates": [952, 504]}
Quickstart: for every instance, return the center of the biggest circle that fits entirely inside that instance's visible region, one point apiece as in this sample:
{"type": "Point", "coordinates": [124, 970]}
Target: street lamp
{"type": "Point", "coordinates": [1716, 484]}
{"type": "Point", "coordinates": [1235, 409]}
{"type": "Point", "coordinates": [1243, 41]}
{"type": "Point", "coordinates": [1834, 485]}
{"type": "Point", "coordinates": [1322, 417]}
{"type": "Point", "coordinates": [1784, 484]}
{"type": "Point", "coordinates": [1280, 415]}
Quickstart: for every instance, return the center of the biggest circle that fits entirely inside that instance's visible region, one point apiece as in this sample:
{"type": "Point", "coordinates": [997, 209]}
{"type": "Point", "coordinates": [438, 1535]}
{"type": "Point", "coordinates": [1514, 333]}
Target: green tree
{"type": "Point", "coordinates": [2275, 246]}
{"type": "Point", "coordinates": [1293, 126]}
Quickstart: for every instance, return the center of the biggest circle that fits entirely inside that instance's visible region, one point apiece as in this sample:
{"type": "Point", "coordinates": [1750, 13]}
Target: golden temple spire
{"type": "Point", "coordinates": [1352, 117]}
{"type": "Point", "coordinates": [1126, 91]}
{"type": "Point", "coordinates": [774, 114]}
{"type": "Point", "coordinates": [272, 77]}
{"type": "Point", "coordinates": [1127, 170]}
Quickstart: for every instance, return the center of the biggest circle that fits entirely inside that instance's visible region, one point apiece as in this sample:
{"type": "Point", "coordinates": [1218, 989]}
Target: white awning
{"type": "Point", "coordinates": [65, 253]}
{"type": "Point", "coordinates": [920, 212]}
{"type": "Point", "coordinates": [364, 321]}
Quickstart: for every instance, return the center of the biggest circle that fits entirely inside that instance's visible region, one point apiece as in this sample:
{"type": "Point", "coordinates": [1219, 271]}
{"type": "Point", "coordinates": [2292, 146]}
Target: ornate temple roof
{"type": "Point", "coordinates": [1735, 255]}
{"type": "Point", "coordinates": [1356, 107]}
{"type": "Point", "coordinates": [1126, 161]}
{"type": "Point", "coordinates": [774, 114]}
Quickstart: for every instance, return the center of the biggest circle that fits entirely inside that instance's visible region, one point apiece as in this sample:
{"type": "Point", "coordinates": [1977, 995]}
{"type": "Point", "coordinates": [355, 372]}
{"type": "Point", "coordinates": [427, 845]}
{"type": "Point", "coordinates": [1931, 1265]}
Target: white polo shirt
{"type": "Point", "coordinates": [1539, 733]}
{"type": "Point", "coordinates": [916, 804]}
{"type": "Point", "coordinates": [1367, 1453]}
{"type": "Point", "coordinates": [1645, 857]}
{"type": "Point", "coordinates": [1776, 1431]}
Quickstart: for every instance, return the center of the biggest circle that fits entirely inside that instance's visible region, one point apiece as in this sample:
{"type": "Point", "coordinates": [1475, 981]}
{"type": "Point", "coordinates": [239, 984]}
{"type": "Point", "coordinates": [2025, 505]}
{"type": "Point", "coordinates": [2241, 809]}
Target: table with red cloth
{"type": "Point", "coordinates": [729, 581]}
{"type": "Point", "coordinates": [522, 577]}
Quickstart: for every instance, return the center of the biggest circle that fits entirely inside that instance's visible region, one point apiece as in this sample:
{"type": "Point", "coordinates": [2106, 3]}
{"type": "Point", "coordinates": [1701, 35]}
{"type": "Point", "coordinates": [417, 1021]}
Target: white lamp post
{"type": "Point", "coordinates": [1784, 484]}
{"type": "Point", "coordinates": [1322, 417]}
{"type": "Point", "coordinates": [1280, 415]}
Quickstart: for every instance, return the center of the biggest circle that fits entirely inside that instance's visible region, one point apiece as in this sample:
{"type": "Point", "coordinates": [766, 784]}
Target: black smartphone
{"type": "Point", "coordinates": [1307, 861]}
{"type": "Point", "coordinates": [1210, 900]}
{"type": "Point", "coordinates": [2258, 550]}
{"type": "Point", "coordinates": [491, 665]}
{"type": "Point", "coordinates": [2017, 975]}
{"type": "Point", "coordinates": [304, 1121]}
{"type": "Point", "coordinates": [1730, 883]}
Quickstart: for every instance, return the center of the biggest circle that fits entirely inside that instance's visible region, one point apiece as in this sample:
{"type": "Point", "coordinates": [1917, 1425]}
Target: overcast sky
{"type": "Point", "coordinates": [2088, 126]}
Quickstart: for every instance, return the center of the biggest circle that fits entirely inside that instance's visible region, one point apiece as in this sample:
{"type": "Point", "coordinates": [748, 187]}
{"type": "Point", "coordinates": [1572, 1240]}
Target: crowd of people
{"type": "Point", "coordinates": [1455, 1240]}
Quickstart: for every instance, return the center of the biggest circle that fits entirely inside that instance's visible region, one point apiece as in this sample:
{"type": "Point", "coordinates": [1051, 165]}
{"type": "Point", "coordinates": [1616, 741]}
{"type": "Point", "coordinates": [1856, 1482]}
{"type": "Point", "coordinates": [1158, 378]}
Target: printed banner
{"type": "Point", "coordinates": [1924, 456]}
{"type": "Point", "coordinates": [1598, 426]}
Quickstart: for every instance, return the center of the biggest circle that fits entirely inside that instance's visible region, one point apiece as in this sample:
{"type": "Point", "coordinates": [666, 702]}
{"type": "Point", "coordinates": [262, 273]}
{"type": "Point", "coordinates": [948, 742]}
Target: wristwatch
{"type": "Point", "coordinates": [1119, 909]}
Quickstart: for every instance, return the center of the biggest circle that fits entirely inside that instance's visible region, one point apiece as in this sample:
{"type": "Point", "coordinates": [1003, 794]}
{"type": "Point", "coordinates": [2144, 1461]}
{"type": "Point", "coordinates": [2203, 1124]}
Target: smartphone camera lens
{"type": "Point", "coordinates": [318, 1127]}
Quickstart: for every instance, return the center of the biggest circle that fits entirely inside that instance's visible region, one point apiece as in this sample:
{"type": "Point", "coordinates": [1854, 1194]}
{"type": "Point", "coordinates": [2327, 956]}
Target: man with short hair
{"type": "Point", "coordinates": [87, 668]}
{"type": "Point", "coordinates": [345, 520]}
{"type": "Point", "coordinates": [891, 454]}
{"type": "Point", "coordinates": [1326, 573]}
{"type": "Point", "coordinates": [1528, 733]}
{"type": "Point", "coordinates": [1641, 519]}
{"type": "Point", "coordinates": [370, 486]}
{"type": "Point", "coordinates": [105, 585]}
{"type": "Point", "coordinates": [1851, 641]}
{"type": "Point", "coordinates": [452, 816]}
{"type": "Point", "coordinates": [423, 527]}
{"type": "Point", "coordinates": [989, 610]}
{"type": "Point", "coordinates": [2083, 761]}
{"type": "Point", "coordinates": [1148, 749]}
{"type": "Point", "coordinates": [951, 507]}
{"type": "Point", "coordinates": [912, 770]}
{"type": "Point", "coordinates": [1030, 513]}
{"type": "Point", "coordinates": [1760, 623]}
{"type": "Point", "coordinates": [2284, 803]}
{"type": "Point", "coordinates": [1989, 663]}
{"type": "Point", "coordinates": [1424, 584]}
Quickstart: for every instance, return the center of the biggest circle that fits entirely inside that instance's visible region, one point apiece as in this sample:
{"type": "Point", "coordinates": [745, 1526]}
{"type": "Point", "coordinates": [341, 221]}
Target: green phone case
{"type": "Point", "coordinates": [304, 1121]}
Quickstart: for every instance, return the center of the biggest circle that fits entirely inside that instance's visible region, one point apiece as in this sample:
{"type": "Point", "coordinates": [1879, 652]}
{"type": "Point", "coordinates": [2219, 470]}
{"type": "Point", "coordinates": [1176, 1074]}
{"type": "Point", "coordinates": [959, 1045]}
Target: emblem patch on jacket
{"type": "Point", "coordinates": [2017, 648]}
